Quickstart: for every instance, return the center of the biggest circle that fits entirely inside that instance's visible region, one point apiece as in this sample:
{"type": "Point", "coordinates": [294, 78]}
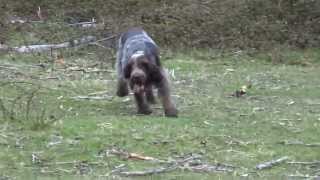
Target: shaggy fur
{"type": "Point", "coordinates": [138, 66]}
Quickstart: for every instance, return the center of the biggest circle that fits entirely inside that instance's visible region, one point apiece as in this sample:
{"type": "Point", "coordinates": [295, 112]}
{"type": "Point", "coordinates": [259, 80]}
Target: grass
{"type": "Point", "coordinates": [282, 105]}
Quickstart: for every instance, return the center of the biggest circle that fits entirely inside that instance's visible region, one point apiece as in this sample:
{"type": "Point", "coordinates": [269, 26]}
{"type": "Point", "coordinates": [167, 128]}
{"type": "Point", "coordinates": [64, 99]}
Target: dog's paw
{"type": "Point", "coordinates": [144, 111]}
{"type": "Point", "coordinates": [172, 112]}
{"type": "Point", "coordinates": [152, 100]}
{"type": "Point", "coordinates": [122, 93]}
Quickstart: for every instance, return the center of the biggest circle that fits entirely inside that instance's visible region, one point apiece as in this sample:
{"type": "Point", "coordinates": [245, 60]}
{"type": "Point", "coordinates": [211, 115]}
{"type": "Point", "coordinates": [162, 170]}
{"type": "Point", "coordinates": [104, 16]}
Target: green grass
{"type": "Point", "coordinates": [282, 105]}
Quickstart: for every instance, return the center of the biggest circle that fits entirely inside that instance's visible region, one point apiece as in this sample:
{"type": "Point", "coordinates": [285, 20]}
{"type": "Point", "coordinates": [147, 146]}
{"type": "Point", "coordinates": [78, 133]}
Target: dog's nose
{"type": "Point", "coordinates": [138, 89]}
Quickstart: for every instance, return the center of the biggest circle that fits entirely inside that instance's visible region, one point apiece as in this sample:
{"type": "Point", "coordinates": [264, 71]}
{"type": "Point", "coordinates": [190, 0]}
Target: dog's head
{"type": "Point", "coordinates": [140, 71]}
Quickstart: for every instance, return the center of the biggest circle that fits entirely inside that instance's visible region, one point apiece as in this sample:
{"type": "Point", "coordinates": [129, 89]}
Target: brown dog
{"type": "Point", "coordinates": [138, 65]}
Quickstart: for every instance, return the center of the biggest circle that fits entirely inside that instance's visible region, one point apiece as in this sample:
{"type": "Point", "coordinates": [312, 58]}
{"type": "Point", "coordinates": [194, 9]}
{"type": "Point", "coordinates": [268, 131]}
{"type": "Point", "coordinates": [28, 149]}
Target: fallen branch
{"type": "Point", "coordinates": [19, 20]}
{"type": "Point", "coordinates": [272, 163]}
{"type": "Point", "coordinates": [49, 47]}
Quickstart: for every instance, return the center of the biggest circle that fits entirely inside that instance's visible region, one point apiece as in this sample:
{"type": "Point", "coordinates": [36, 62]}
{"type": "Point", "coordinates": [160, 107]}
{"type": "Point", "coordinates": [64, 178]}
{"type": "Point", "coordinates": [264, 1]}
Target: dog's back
{"type": "Point", "coordinates": [130, 33]}
{"type": "Point", "coordinates": [133, 41]}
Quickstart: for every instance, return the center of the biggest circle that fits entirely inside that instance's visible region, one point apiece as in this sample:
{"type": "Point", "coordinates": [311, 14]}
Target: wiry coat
{"type": "Point", "coordinates": [138, 65]}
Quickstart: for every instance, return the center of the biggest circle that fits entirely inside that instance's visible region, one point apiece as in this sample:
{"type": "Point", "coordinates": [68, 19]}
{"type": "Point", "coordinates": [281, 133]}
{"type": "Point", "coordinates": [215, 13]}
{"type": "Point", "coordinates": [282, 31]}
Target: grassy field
{"type": "Point", "coordinates": [50, 129]}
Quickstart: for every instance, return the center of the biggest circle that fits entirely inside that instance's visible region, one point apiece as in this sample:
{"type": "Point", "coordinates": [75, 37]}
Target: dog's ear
{"type": "Point", "coordinates": [127, 70]}
{"type": "Point", "coordinates": [154, 72]}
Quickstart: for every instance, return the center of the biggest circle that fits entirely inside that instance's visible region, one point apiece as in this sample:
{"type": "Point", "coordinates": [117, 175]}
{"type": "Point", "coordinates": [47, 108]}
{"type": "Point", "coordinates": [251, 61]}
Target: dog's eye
{"type": "Point", "coordinates": [144, 63]}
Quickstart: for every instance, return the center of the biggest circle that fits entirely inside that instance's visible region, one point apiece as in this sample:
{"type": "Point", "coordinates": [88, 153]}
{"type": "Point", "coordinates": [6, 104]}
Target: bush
{"type": "Point", "coordinates": [194, 23]}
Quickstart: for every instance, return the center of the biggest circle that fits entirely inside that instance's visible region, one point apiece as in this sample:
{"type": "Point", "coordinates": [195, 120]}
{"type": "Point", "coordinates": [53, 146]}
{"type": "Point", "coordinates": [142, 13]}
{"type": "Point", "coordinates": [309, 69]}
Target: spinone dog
{"type": "Point", "coordinates": [138, 66]}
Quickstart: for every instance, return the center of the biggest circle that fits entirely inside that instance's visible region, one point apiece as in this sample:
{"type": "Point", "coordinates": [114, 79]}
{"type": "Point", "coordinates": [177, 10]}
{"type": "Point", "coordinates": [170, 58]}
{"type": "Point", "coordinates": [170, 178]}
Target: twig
{"type": "Point", "coordinates": [304, 163]}
{"type": "Point", "coordinates": [271, 163]}
{"type": "Point", "coordinates": [94, 70]}
{"type": "Point", "coordinates": [118, 168]}
{"type": "Point", "coordinates": [191, 163]}
{"type": "Point", "coordinates": [20, 20]}
{"type": "Point", "coordinates": [81, 23]}
{"type": "Point", "coordinates": [128, 155]}
{"type": "Point", "coordinates": [105, 97]}
{"type": "Point", "coordinates": [71, 162]}
{"type": "Point", "coordinates": [107, 38]}
{"type": "Point", "coordinates": [61, 163]}
{"type": "Point", "coordinates": [64, 170]}
{"type": "Point", "coordinates": [96, 43]}
{"type": "Point", "coordinates": [302, 176]}
{"type": "Point", "coordinates": [299, 143]}
{"type": "Point", "coordinates": [5, 65]}
{"type": "Point", "coordinates": [4, 136]}
{"type": "Point", "coordinates": [89, 24]}
{"type": "Point", "coordinates": [115, 170]}
{"type": "Point", "coordinates": [9, 68]}
{"type": "Point", "coordinates": [202, 167]}
{"type": "Point", "coordinates": [48, 78]}
{"type": "Point", "coordinates": [98, 93]}
{"type": "Point", "coordinates": [55, 171]}
{"type": "Point", "coordinates": [188, 159]}
{"type": "Point", "coordinates": [149, 171]}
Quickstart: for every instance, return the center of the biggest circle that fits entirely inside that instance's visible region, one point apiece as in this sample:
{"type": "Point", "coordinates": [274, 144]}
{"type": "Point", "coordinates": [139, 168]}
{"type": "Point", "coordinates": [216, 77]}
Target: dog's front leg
{"type": "Point", "coordinates": [170, 109]}
{"type": "Point", "coordinates": [142, 104]}
{"type": "Point", "coordinates": [122, 87]}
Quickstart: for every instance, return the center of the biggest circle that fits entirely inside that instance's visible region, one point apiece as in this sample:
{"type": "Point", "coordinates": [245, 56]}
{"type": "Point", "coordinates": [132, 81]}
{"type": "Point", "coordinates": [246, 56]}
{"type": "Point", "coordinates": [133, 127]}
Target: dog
{"type": "Point", "coordinates": [139, 68]}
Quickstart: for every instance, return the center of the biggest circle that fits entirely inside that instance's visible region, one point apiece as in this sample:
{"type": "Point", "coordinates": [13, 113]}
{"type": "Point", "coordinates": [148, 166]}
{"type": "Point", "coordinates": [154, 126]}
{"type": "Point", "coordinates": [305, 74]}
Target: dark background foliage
{"type": "Point", "coordinates": [190, 23]}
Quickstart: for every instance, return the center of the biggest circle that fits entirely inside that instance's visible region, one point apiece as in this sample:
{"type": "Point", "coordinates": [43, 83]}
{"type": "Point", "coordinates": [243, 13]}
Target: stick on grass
{"type": "Point", "coordinates": [271, 163]}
